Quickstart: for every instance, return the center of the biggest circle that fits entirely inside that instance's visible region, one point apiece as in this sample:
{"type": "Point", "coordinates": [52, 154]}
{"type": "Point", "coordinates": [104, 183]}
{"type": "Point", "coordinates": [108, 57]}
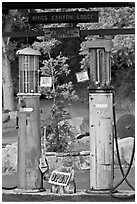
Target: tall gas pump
{"type": "Point", "coordinates": [100, 116]}
{"type": "Point", "coordinates": [28, 122]}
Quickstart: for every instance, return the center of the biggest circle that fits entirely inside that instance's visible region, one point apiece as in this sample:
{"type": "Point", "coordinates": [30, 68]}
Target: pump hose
{"type": "Point", "coordinates": [112, 191]}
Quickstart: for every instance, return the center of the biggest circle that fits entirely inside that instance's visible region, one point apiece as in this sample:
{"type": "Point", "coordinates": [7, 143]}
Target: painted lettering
{"type": "Point", "coordinates": [61, 178]}
{"type": "Point", "coordinates": [39, 18]}
{"type": "Point", "coordinates": [85, 17]}
{"type": "Point", "coordinates": [53, 177]}
{"type": "Point", "coordinates": [57, 177]}
{"type": "Point", "coordinates": [65, 179]}
{"type": "Point", "coordinates": [61, 17]}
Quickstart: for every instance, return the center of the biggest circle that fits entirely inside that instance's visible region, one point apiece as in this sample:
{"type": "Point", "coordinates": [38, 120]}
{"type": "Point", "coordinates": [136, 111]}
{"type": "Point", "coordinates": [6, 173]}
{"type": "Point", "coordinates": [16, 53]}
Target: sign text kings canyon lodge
{"type": "Point", "coordinates": [63, 17]}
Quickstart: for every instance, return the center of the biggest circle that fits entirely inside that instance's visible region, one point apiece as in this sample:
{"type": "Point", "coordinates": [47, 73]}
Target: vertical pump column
{"type": "Point", "coordinates": [29, 143]}
{"type": "Point", "coordinates": [100, 116]}
{"type": "Point", "coordinates": [101, 140]}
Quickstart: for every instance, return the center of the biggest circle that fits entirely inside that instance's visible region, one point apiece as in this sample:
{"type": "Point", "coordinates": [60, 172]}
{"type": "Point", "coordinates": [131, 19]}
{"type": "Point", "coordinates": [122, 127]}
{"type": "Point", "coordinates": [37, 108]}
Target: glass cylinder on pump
{"type": "Point", "coordinates": [100, 62]}
{"type": "Point", "coordinates": [28, 70]}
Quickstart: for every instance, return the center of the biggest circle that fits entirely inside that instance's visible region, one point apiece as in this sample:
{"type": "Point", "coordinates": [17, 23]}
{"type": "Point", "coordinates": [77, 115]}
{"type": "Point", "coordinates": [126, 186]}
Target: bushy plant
{"type": "Point", "coordinates": [59, 132]}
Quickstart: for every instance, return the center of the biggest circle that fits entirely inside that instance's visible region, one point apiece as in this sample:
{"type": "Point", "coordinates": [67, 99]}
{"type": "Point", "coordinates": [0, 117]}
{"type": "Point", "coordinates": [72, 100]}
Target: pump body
{"type": "Point", "coordinates": [29, 149]}
{"type": "Point", "coordinates": [100, 115]}
{"type": "Point", "coordinates": [29, 176]}
{"type": "Point", "coordinates": [101, 140]}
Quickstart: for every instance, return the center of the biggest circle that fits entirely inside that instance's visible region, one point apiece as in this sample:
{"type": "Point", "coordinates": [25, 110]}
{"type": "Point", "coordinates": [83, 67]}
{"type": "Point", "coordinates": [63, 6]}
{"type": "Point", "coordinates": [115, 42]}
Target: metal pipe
{"type": "Point", "coordinates": [98, 66]}
{"type": "Point", "coordinates": [29, 69]}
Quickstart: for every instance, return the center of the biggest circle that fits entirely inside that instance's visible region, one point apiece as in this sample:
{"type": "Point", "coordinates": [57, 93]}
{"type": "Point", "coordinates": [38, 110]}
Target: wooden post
{"type": "Point", "coordinates": [29, 143]}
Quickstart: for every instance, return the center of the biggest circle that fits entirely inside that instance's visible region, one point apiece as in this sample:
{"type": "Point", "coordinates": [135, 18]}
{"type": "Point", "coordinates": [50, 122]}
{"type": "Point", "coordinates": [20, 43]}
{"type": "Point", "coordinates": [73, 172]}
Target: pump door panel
{"type": "Point", "coordinates": [101, 140]}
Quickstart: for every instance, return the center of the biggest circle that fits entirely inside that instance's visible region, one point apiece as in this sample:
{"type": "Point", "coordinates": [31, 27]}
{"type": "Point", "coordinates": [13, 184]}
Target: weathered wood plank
{"type": "Point", "coordinates": [82, 33]}
{"type": "Point", "coordinates": [46, 5]}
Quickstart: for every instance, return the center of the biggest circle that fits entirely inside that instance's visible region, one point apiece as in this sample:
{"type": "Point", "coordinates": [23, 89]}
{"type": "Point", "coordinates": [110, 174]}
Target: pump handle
{"type": "Point", "coordinates": [17, 122]}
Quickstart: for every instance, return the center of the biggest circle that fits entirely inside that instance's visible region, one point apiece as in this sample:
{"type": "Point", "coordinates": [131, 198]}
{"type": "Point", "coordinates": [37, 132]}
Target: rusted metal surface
{"type": "Point", "coordinates": [29, 145]}
{"type": "Point", "coordinates": [101, 141]}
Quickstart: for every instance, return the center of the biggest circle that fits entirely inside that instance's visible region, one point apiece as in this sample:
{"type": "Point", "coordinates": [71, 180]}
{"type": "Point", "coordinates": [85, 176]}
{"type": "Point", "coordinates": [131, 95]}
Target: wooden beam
{"type": "Point", "coordinates": [45, 5]}
{"type": "Point", "coordinates": [108, 32]}
{"type": "Point", "coordinates": [23, 34]}
{"type": "Point", "coordinates": [82, 32]}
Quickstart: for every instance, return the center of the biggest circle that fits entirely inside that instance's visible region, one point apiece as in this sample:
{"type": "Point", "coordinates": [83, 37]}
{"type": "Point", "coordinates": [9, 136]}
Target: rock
{"type": "Point", "coordinates": [125, 150]}
{"type": "Point", "coordinates": [84, 127]}
{"type": "Point", "coordinates": [80, 125]}
{"type": "Point", "coordinates": [9, 158]}
{"type": "Point", "coordinates": [13, 115]}
{"type": "Point", "coordinates": [75, 123]}
{"type": "Point", "coordinates": [13, 155]}
{"type": "Point", "coordinates": [79, 161]}
{"type": "Point", "coordinates": [85, 162]}
{"type": "Point", "coordinates": [82, 144]}
{"type": "Point", "coordinates": [126, 126]}
{"type": "Point", "coordinates": [5, 160]}
{"type": "Point", "coordinates": [52, 162]}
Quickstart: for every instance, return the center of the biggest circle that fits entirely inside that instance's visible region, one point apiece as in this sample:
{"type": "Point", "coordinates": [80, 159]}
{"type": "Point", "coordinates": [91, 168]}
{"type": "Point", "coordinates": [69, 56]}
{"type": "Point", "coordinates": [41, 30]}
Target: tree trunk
{"type": "Point", "coordinates": [8, 93]}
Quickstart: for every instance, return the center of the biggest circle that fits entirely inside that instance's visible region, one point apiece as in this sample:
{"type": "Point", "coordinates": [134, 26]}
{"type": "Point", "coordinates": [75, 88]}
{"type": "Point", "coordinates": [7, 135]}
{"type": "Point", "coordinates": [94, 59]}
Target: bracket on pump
{"type": "Point", "coordinates": [25, 109]}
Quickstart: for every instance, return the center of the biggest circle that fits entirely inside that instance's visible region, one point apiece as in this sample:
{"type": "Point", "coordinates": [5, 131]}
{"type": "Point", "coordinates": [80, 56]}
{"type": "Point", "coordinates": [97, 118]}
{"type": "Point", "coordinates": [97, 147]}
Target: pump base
{"type": "Point", "coordinates": [100, 191]}
{"type": "Point", "coordinates": [123, 194]}
{"type": "Point", "coordinates": [19, 190]}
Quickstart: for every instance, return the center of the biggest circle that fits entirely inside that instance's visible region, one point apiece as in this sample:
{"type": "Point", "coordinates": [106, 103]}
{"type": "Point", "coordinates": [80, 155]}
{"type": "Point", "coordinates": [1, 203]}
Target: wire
{"type": "Point", "coordinates": [112, 191]}
{"type": "Point", "coordinates": [117, 148]}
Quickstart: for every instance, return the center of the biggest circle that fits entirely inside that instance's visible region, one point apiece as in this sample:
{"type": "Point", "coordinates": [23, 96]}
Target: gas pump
{"type": "Point", "coordinates": [102, 122]}
{"type": "Point", "coordinates": [29, 144]}
{"type": "Point", "coordinates": [100, 115]}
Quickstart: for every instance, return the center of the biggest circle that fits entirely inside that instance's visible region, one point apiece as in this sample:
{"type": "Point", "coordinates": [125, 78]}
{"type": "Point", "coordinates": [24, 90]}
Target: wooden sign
{"type": "Point", "coordinates": [64, 17]}
{"type": "Point", "coordinates": [59, 178]}
{"type": "Point", "coordinates": [61, 32]}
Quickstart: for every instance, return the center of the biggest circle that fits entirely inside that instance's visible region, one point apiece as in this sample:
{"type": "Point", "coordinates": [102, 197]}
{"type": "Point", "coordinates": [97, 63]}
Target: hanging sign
{"type": "Point", "coordinates": [82, 76]}
{"type": "Point", "coordinates": [46, 81]}
{"type": "Point", "coordinates": [43, 164]}
{"type": "Point", "coordinates": [61, 32]}
{"type": "Point", "coordinates": [64, 17]}
{"type": "Point", "coordinates": [59, 178]}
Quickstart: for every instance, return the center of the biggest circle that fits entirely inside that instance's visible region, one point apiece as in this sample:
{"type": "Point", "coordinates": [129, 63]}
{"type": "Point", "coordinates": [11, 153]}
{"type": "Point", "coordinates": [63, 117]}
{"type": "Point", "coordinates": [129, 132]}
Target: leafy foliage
{"type": "Point", "coordinates": [58, 131]}
{"type": "Point", "coordinates": [123, 52]}
{"type": "Point", "coordinates": [45, 47]}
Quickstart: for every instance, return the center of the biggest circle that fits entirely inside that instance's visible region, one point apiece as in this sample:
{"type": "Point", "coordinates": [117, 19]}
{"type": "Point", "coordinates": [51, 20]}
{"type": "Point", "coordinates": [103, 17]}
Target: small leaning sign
{"type": "Point", "coordinates": [64, 17]}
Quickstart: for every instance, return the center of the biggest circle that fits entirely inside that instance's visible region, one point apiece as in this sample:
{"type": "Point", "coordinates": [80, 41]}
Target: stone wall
{"type": "Point", "coordinates": [80, 160]}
